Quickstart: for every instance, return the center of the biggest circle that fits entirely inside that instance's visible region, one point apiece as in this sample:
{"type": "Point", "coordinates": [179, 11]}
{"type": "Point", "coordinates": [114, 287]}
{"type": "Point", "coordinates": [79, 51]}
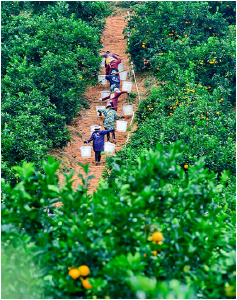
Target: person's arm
{"type": "Point", "coordinates": [90, 139]}
{"type": "Point", "coordinates": [118, 116]}
{"type": "Point", "coordinates": [120, 93]}
{"type": "Point", "coordinates": [103, 111]}
{"type": "Point", "coordinates": [118, 61]}
{"type": "Point", "coordinates": [104, 55]}
{"type": "Point", "coordinates": [106, 131]}
{"type": "Point", "coordinates": [107, 97]}
{"type": "Point", "coordinates": [113, 55]}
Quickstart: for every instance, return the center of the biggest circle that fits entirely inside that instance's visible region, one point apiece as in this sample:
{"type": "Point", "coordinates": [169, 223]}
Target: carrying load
{"type": "Point", "coordinates": [98, 141]}
{"type": "Point", "coordinates": [109, 120]}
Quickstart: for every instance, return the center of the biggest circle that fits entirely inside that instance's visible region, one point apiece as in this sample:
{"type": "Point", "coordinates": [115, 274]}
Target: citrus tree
{"type": "Point", "coordinates": [157, 221]}
{"type": "Point", "coordinates": [49, 57]}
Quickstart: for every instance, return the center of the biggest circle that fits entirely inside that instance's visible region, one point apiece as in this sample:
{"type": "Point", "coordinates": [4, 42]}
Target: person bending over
{"type": "Point", "coordinates": [114, 81]}
{"type": "Point", "coordinates": [114, 98]}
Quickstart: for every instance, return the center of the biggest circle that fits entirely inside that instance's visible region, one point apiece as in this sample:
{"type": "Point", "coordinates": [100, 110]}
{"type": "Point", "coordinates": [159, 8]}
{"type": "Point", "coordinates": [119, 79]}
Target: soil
{"type": "Point", "coordinates": [113, 40]}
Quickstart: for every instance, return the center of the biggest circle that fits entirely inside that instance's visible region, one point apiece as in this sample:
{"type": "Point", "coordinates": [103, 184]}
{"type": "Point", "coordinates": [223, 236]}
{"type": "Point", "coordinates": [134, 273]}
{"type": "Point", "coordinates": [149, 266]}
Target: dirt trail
{"type": "Point", "coordinates": [113, 40]}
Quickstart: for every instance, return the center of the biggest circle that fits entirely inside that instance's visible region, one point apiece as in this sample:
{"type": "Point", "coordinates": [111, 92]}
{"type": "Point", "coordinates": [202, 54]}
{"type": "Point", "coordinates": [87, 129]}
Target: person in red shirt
{"type": "Point", "coordinates": [107, 54]}
{"type": "Point", "coordinates": [113, 65]}
{"type": "Point", "coordinates": [114, 98]}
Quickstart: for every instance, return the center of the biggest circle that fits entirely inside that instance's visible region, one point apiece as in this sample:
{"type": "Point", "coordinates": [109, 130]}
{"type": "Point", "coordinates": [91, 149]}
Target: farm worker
{"type": "Point", "coordinates": [108, 54]}
{"type": "Point", "coordinates": [114, 98]}
{"type": "Point", "coordinates": [109, 120]}
{"type": "Point", "coordinates": [113, 65]}
{"type": "Point", "coordinates": [98, 142]}
{"type": "Point", "coordinates": [114, 81]}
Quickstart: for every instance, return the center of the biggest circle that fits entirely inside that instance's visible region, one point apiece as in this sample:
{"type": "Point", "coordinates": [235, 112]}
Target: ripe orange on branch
{"type": "Point", "coordinates": [84, 270]}
{"type": "Point", "coordinates": [157, 236]}
{"type": "Point", "coordinates": [86, 284]}
{"type": "Point", "coordinates": [74, 273]}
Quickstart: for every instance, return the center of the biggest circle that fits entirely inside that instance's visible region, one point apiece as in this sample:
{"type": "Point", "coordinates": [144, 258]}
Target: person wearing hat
{"type": "Point", "coordinates": [114, 80]}
{"type": "Point", "coordinates": [113, 66]}
{"type": "Point", "coordinates": [109, 120]}
{"type": "Point", "coordinates": [114, 98]}
{"type": "Point", "coordinates": [98, 141]}
{"type": "Point", "coordinates": [108, 54]}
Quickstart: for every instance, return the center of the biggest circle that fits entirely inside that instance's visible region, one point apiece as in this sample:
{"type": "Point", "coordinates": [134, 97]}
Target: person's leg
{"type": "Point", "coordinates": [108, 135]}
{"type": "Point", "coordinates": [95, 156]}
{"type": "Point", "coordinates": [112, 87]}
{"type": "Point", "coordinates": [113, 135]}
{"type": "Point", "coordinates": [99, 156]}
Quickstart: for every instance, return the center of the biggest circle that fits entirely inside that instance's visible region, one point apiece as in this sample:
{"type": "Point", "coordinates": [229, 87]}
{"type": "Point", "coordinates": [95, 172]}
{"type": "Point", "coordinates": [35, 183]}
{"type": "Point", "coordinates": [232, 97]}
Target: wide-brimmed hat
{"type": "Point", "coordinates": [112, 59]}
{"type": "Point", "coordinates": [97, 127]}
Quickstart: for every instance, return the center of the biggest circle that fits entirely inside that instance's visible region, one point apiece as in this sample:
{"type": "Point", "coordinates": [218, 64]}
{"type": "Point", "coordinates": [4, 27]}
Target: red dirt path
{"type": "Point", "coordinates": [113, 40]}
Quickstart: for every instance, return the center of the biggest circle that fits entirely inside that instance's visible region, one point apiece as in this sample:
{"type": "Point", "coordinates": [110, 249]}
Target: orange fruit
{"type": "Point", "coordinates": [159, 243]}
{"type": "Point", "coordinates": [74, 273]}
{"type": "Point", "coordinates": [154, 252]}
{"type": "Point", "coordinates": [86, 284]}
{"type": "Point", "coordinates": [185, 166]}
{"type": "Point", "coordinates": [157, 236]}
{"type": "Point", "coordinates": [84, 270]}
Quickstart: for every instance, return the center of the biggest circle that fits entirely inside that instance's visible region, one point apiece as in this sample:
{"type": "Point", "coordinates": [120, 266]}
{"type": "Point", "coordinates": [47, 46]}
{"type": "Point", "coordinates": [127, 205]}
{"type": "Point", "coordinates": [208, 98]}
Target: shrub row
{"type": "Point", "coordinates": [49, 57]}
{"type": "Point", "coordinates": [178, 36]}
{"type": "Point", "coordinates": [193, 102]}
{"type": "Point", "coordinates": [111, 232]}
{"type": "Point", "coordinates": [183, 108]}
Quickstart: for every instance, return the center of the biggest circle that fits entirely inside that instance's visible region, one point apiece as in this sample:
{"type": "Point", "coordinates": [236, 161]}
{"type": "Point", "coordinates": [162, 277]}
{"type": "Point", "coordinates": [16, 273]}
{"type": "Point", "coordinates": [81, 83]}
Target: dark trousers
{"type": "Point", "coordinates": [108, 134]}
{"type": "Point", "coordinates": [97, 156]}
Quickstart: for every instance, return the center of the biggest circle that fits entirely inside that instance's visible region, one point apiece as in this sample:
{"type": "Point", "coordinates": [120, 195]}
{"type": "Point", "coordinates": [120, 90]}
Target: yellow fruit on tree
{"type": "Point", "coordinates": [74, 273]}
{"type": "Point", "coordinates": [157, 236]}
{"type": "Point", "coordinates": [84, 270]}
{"type": "Point", "coordinates": [86, 284]}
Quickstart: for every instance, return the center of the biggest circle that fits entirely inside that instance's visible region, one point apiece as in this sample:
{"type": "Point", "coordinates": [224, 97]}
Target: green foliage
{"type": "Point", "coordinates": [49, 57]}
{"type": "Point", "coordinates": [227, 8]}
{"type": "Point", "coordinates": [112, 233]}
{"type": "Point", "coordinates": [21, 277]}
{"type": "Point", "coordinates": [170, 37]}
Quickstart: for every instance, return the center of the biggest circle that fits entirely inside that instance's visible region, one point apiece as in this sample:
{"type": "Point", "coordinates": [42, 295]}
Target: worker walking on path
{"type": "Point", "coordinates": [109, 120]}
{"type": "Point", "coordinates": [98, 142]}
{"type": "Point", "coordinates": [108, 54]}
{"type": "Point", "coordinates": [114, 80]}
{"type": "Point", "coordinates": [113, 65]}
{"type": "Point", "coordinates": [114, 98]}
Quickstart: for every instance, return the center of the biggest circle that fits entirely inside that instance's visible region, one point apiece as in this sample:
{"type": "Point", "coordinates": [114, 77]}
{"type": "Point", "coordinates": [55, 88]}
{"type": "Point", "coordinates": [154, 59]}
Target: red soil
{"type": "Point", "coordinates": [113, 40]}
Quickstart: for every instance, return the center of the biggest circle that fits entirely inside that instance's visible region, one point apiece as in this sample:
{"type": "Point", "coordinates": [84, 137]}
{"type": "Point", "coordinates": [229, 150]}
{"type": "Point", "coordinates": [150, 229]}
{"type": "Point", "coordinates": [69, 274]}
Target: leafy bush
{"type": "Point", "coordinates": [177, 36]}
{"type": "Point", "coordinates": [49, 59]}
{"type": "Point", "coordinates": [112, 234]}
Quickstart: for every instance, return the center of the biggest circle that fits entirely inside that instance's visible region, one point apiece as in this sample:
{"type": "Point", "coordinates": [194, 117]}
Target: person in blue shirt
{"type": "Point", "coordinates": [98, 142]}
{"type": "Point", "coordinates": [114, 80]}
